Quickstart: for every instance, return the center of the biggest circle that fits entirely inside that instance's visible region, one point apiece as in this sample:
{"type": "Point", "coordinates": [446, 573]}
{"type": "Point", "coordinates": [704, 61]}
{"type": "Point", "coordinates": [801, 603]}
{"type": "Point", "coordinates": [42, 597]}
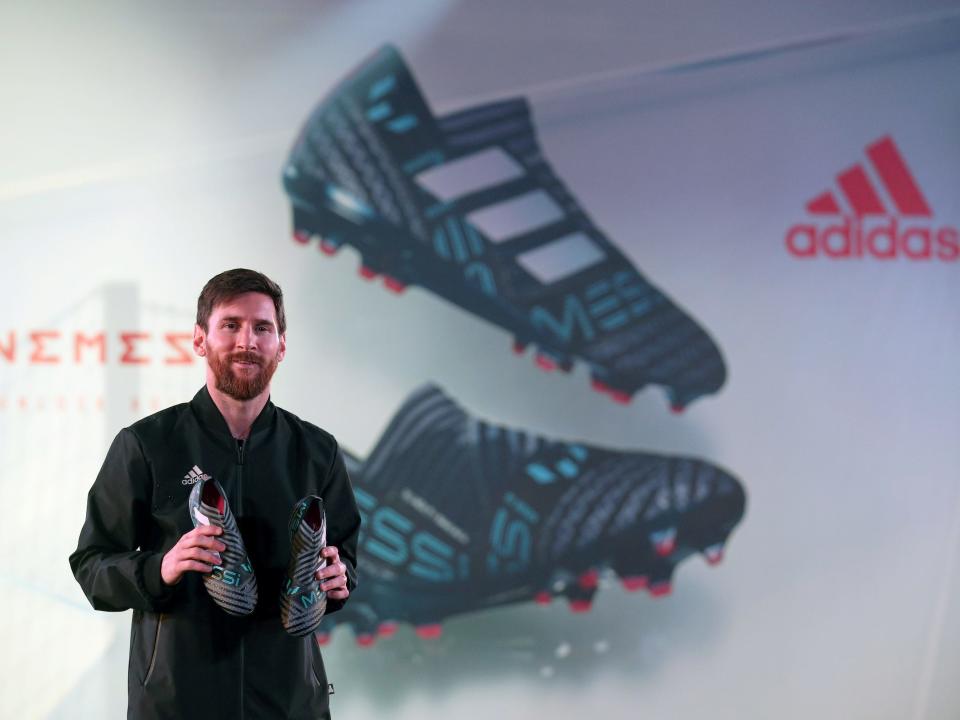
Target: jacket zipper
{"type": "Point", "coordinates": [241, 445]}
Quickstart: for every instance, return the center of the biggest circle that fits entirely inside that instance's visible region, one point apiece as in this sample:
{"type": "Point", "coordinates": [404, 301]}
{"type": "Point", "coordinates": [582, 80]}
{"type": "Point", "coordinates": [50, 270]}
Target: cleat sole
{"type": "Point", "coordinates": [387, 629]}
{"type": "Point", "coordinates": [661, 589]}
{"type": "Point", "coordinates": [589, 580]}
{"type": "Point", "coordinates": [393, 285]}
{"type": "Point", "coordinates": [429, 632]}
{"type": "Point", "coordinates": [635, 583]}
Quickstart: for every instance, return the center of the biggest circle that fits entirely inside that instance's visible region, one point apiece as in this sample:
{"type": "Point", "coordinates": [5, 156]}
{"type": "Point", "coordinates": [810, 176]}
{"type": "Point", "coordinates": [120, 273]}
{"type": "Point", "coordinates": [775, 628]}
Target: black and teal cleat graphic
{"type": "Point", "coordinates": [467, 207]}
{"type": "Point", "coordinates": [460, 515]}
{"type": "Point", "coordinates": [232, 584]}
{"type": "Point", "coordinates": [302, 602]}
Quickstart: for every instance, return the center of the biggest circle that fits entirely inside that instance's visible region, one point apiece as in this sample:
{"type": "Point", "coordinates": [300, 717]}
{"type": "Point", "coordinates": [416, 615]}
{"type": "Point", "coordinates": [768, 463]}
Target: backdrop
{"type": "Point", "coordinates": [748, 214]}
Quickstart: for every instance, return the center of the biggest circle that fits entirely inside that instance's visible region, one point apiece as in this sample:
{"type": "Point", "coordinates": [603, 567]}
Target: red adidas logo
{"type": "Point", "coordinates": [908, 234]}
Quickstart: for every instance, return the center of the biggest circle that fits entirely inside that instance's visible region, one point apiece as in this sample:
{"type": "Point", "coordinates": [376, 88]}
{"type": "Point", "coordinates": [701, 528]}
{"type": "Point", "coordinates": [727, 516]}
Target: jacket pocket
{"type": "Point", "coordinates": [317, 671]}
{"type": "Point", "coordinates": [150, 637]}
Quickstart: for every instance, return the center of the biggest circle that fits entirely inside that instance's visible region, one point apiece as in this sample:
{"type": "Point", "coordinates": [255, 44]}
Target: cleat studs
{"type": "Point", "coordinates": [565, 366]}
{"type": "Point", "coordinates": [620, 397]}
{"type": "Point", "coordinates": [301, 236]}
{"type": "Point", "coordinates": [599, 386]}
{"type": "Point", "coordinates": [542, 598]}
{"type": "Point", "coordinates": [633, 583]}
{"type": "Point", "coordinates": [323, 638]}
{"type": "Point", "coordinates": [387, 629]}
{"type": "Point", "coordinates": [429, 632]}
{"type": "Point", "coordinates": [714, 554]}
{"type": "Point", "coordinates": [664, 548]}
{"type": "Point", "coordinates": [328, 248]}
{"type": "Point", "coordinates": [393, 285]}
{"type": "Point", "coordinates": [365, 639]}
{"type": "Point", "coordinates": [677, 402]}
{"type": "Point", "coordinates": [664, 541]}
{"type": "Point", "coordinates": [589, 580]}
{"type": "Point", "coordinates": [661, 588]}
{"type": "Point", "coordinates": [580, 606]}
{"type": "Point", "coordinates": [545, 363]}
{"type": "Point", "coordinates": [519, 347]}
{"type": "Point", "coordinates": [367, 273]}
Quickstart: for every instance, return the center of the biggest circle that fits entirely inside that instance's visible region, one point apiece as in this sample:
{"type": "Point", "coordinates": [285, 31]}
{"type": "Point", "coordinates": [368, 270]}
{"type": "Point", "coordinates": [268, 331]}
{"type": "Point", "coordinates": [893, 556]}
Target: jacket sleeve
{"type": "Point", "coordinates": [343, 523]}
{"type": "Point", "coordinates": [114, 573]}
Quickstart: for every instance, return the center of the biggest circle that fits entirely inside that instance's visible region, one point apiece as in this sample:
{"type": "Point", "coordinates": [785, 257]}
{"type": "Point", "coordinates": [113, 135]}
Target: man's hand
{"type": "Point", "coordinates": [333, 576]}
{"type": "Point", "coordinates": [195, 551]}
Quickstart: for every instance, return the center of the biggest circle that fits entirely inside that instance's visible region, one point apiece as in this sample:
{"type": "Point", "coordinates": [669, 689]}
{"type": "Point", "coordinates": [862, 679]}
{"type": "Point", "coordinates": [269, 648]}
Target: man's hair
{"type": "Point", "coordinates": [228, 285]}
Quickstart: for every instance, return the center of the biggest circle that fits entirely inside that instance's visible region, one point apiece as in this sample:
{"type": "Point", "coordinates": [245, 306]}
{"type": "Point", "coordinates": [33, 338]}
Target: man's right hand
{"type": "Point", "coordinates": [194, 552]}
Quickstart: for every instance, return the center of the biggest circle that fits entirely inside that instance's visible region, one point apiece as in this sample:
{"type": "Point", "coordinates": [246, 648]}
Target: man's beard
{"type": "Point", "coordinates": [235, 386]}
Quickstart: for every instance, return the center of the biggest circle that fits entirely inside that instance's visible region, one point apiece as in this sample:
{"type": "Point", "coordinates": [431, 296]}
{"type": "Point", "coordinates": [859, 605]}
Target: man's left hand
{"type": "Point", "coordinates": [333, 577]}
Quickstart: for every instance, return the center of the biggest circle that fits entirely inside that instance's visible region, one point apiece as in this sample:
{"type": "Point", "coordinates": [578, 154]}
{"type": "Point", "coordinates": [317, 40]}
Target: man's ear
{"type": "Point", "coordinates": [199, 336]}
{"type": "Point", "coordinates": [283, 347]}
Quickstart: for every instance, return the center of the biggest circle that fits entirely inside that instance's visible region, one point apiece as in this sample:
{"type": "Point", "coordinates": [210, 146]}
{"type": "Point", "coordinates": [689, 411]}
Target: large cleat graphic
{"type": "Point", "coordinates": [460, 515]}
{"type": "Point", "coordinates": [467, 207]}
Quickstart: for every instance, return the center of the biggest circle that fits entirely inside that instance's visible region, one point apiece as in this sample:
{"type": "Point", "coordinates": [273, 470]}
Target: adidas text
{"type": "Point", "coordinates": [884, 240]}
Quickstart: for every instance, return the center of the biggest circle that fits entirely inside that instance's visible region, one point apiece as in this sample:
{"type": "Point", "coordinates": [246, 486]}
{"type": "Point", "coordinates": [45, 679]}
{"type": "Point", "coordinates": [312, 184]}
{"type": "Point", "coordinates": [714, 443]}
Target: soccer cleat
{"type": "Point", "coordinates": [302, 602]}
{"type": "Point", "coordinates": [232, 584]}
{"type": "Point", "coordinates": [467, 207]}
{"type": "Point", "coordinates": [460, 515]}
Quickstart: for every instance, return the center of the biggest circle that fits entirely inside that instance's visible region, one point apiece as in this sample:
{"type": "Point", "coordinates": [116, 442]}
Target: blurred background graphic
{"type": "Point", "coordinates": [141, 152]}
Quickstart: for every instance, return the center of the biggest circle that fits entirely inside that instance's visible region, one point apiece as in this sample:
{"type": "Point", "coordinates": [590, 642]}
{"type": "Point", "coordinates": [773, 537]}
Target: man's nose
{"type": "Point", "coordinates": [246, 338]}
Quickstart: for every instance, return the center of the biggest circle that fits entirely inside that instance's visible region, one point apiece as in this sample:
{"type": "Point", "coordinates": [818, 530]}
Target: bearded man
{"type": "Point", "coordinates": [193, 654]}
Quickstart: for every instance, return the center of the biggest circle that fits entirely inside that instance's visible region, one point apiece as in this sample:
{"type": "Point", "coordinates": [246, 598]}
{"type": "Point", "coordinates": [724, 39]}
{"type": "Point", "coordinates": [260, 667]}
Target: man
{"type": "Point", "coordinates": [138, 549]}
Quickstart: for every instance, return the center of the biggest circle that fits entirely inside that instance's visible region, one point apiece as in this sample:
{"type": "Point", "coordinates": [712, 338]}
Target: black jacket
{"type": "Point", "coordinates": [188, 658]}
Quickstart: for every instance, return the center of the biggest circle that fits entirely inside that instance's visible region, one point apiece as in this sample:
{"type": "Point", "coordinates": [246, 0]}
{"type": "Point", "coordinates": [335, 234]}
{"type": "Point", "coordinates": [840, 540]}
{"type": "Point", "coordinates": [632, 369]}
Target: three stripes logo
{"type": "Point", "coordinates": [194, 475]}
{"type": "Point", "coordinates": [879, 212]}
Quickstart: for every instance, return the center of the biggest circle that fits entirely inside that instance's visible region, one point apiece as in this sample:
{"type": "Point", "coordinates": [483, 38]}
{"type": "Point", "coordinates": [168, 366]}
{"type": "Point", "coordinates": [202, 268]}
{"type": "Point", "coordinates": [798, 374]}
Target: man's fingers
{"type": "Point", "coordinates": [187, 565]}
{"type": "Point", "coordinates": [192, 553]}
{"type": "Point", "coordinates": [198, 554]}
{"type": "Point", "coordinates": [338, 582]}
{"type": "Point", "coordinates": [339, 594]}
{"type": "Point", "coordinates": [211, 544]}
{"type": "Point", "coordinates": [334, 580]}
{"type": "Point", "coordinates": [206, 530]}
{"type": "Point", "coordinates": [330, 553]}
{"type": "Point", "coordinates": [208, 557]}
{"type": "Point", "coordinates": [331, 570]}
{"type": "Point", "coordinates": [193, 539]}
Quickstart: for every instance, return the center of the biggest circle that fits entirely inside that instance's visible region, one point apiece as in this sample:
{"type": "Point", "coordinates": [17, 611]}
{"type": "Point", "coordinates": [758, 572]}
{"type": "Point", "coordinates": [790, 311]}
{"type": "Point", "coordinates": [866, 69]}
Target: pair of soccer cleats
{"type": "Point", "coordinates": [461, 515]}
{"type": "Point", "coordinates": [467, 207]}
{"type": "Point", "coordinates": [233, 584]}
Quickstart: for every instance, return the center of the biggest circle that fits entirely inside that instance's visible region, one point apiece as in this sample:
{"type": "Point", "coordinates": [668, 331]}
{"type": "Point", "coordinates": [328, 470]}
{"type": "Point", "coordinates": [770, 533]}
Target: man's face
{"type": "Point", "coordinates": [242, 345]}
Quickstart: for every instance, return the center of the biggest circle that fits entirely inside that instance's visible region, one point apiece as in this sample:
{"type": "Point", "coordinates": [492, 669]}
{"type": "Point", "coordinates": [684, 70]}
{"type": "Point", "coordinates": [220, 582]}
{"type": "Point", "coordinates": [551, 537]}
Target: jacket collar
{"type": "Point", "coordinates": [210, 417]}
